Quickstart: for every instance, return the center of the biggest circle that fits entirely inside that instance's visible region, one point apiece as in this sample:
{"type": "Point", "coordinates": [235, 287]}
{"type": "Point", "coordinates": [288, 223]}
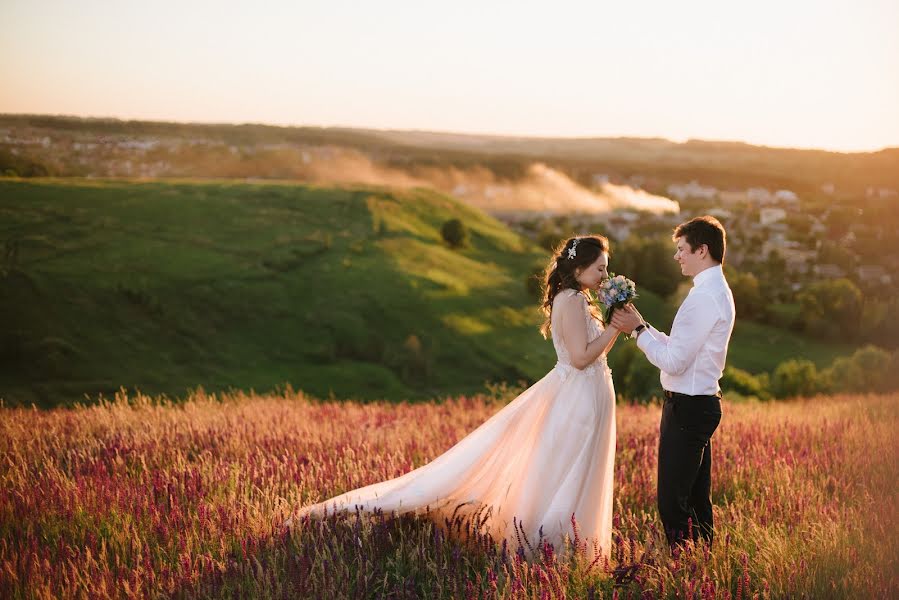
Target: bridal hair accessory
{"type": "Point", "coordinates": [572, 252]}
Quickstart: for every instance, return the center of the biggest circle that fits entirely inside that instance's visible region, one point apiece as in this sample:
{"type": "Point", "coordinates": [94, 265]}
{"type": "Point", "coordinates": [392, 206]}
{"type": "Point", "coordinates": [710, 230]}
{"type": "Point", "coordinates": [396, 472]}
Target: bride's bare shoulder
{"type": "Point", "coordinates": [569, 298]}
{"type": "Point", "coordinates": [568, 293]}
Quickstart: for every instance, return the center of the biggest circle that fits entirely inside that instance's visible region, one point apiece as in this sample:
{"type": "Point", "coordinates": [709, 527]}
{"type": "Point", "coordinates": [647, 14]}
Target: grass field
{"type": "Point", "coordinates": [165, 286]}
{"type": "Point", "coordinates": [141, 498]}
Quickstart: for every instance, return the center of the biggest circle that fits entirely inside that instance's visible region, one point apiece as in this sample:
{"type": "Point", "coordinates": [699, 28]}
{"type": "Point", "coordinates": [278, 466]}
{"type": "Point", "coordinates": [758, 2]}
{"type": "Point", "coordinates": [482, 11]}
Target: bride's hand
{"type": "Point", "coordinates": [622, 322]}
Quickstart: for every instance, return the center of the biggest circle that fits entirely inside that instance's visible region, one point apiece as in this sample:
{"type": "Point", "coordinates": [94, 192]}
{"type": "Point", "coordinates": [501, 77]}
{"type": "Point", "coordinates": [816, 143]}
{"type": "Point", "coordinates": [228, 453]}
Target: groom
{"type": "Point", "coordinates": [692, 361]}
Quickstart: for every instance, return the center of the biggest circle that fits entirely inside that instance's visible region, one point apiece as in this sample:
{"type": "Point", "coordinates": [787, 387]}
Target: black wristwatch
{"type": "Point", "coordinates": [637, 330]}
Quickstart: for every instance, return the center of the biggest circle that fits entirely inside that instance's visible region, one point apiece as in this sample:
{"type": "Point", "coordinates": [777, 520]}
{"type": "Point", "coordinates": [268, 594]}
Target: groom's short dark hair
{"type": "Point", "coordinates": [704, 230]}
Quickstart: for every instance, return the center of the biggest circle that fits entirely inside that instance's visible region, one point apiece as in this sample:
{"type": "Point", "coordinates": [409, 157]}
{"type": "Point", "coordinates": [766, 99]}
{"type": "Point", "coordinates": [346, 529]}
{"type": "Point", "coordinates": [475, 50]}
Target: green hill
{"type": "Point", "coordinates": [350, 291]}
{"type": "Point", "coordinates": [165, 286]}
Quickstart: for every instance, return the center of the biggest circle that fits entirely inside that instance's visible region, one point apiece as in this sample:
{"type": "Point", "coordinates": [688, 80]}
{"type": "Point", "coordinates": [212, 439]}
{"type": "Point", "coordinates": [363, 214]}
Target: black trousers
{"type": "Point", "coordinates": [685, 466]}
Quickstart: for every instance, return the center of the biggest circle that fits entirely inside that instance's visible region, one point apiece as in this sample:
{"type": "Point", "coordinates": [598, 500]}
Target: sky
{"type": "Point", "coordinates": [809, 74]}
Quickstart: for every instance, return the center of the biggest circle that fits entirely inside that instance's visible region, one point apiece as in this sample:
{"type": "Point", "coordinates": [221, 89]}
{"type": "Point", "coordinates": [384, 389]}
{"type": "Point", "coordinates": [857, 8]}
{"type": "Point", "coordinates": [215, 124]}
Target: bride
{"type": "Point", "coordinates": [545, 457]}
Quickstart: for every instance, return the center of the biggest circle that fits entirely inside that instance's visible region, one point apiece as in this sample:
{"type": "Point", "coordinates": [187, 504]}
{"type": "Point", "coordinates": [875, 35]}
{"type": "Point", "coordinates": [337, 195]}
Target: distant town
{"type": "Point", "coordinates": [787, 239]}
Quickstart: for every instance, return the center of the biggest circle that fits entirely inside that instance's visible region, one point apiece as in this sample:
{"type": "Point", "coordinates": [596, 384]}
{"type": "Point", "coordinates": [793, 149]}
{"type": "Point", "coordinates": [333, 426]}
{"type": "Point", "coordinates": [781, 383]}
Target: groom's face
{"type": "Point", "coordinates": [689, 260]}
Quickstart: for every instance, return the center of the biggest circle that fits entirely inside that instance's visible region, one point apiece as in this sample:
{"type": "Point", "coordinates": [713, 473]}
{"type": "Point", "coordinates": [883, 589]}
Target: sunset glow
{"type": "Point", "coordinates": [799, 74]}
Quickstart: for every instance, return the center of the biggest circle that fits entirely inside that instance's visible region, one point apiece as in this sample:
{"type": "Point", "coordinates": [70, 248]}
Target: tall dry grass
{"type": "Point", "coordinates": [137, 497]}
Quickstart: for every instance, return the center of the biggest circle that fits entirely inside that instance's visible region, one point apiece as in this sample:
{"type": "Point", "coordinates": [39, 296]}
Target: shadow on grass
{"type": "Point", "coordinates": [365, 556]}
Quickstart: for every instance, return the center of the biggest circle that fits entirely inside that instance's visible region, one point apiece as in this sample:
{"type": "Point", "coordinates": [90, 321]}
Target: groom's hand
{"type": "Point", "coordinates": [633, 308]}
{"type": "Point", "coordinates": [626, 319]}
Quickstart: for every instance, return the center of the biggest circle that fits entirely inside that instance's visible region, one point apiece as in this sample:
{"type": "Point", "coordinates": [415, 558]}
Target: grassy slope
{"type": "Point", "coordinates": [170, 285]}
{"type": "Point", "coordinates": [166, 286]}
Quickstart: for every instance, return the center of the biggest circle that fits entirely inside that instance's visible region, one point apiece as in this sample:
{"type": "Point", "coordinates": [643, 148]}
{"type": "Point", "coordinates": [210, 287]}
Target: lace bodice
{"type": "Point", "coordinates": [594, 330]}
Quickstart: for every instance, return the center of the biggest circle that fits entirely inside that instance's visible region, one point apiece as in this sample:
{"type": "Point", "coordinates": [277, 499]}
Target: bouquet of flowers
{"type": "Point", "coordinates": [615, 292]}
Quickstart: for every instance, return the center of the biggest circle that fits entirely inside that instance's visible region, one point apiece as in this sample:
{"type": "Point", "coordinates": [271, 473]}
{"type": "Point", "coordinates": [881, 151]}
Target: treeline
{"type": "Point", "coordinates": [714, 163]}
{"type": "Point", "coordinates": [869, 370]}
{"type": "Point", "coordinates": [12, 165]}
{"type": "Point", "coordinates": [829, 309]}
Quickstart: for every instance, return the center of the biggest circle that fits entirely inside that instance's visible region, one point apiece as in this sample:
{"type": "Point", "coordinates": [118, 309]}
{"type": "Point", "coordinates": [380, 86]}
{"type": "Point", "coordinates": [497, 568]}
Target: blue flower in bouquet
{"type": "Point", "coordinates": [614, 293]}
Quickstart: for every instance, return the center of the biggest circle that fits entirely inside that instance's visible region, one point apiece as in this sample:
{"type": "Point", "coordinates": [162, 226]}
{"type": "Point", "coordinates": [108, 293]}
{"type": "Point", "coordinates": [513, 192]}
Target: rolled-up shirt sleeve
{"type": "Point", "coordinates": [673, 354]}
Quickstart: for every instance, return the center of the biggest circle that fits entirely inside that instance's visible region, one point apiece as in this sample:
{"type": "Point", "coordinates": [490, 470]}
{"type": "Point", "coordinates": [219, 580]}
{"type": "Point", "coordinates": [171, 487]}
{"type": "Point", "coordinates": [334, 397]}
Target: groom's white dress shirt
{"type": "Point", "coordinates": [692, 357]}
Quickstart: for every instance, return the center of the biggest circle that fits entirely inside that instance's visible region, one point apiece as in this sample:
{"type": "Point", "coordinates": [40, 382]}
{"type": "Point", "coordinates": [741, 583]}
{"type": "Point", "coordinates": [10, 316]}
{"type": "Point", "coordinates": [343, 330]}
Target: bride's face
{"type": "Point", "coordinates": [594, 274]}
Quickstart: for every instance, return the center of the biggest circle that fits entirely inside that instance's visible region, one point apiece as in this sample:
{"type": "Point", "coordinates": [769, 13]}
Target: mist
{"type": "Point", "coordinates": [543, 189]}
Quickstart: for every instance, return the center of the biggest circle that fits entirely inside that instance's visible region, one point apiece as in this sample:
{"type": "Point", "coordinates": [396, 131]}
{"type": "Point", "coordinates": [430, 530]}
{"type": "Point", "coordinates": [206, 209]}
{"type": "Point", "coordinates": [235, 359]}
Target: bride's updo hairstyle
{"type": "Point", "coordinates": [575, 253]}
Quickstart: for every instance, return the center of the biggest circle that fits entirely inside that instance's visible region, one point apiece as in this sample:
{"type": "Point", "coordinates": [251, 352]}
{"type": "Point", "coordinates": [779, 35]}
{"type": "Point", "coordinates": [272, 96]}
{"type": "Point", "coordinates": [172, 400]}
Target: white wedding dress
{"type": "Point", "coordinates": [546, 455]}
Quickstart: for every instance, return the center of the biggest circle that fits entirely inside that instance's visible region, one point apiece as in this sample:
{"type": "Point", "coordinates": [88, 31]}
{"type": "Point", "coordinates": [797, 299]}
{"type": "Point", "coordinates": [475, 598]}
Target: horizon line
{"type": "Point", "coordinates": [472, 134]}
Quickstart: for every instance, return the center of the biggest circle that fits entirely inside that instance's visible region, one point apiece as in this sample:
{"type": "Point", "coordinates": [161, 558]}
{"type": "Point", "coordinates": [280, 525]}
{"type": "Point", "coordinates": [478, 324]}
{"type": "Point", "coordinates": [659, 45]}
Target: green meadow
{"type": "Point", "coordinates": [343, 291]}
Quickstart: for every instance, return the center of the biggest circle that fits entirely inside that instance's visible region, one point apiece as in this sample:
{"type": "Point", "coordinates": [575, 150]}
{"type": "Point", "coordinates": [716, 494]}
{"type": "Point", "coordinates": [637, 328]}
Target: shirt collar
{"type": "Point", "coordinates": [716, 272]}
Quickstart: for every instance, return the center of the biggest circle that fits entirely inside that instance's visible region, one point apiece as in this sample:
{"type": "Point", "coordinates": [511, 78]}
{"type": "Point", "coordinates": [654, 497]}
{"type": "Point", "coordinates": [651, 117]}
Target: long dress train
{"type": "Point", "coordinates": [545, 456]}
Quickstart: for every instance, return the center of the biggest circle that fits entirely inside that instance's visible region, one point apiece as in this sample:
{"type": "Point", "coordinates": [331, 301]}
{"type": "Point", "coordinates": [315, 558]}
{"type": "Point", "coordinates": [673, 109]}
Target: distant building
{"type": "Point", "coordinates": [722, 214]}
{"type": "Point", "coordinates": [770, 216]}
{"type": "Point", "coordinates": [731, 198]}
{"type": "Point", "coordinates": [817, 227]}
{"type": "Point", "coordinates": [147, 144]}
{"type": "Point", "coordinates": [882, 193]}
{"type": "Point", "coordinates": [778, 242]}
{"type": "Point", "coordinates": [874, 273]}
{"type": "Point", "coordinates": [682, 191]}
{"type": "Point", "coordinates": [830, 271]}
{"type": "Point", "coordinates": [786, 196]}
{"type": "Point", "coordinates": [627, 216]}
{"type": "Point", "coordinates": [759, 195]}
{"type": "Point", "coordinates": [798, 261]}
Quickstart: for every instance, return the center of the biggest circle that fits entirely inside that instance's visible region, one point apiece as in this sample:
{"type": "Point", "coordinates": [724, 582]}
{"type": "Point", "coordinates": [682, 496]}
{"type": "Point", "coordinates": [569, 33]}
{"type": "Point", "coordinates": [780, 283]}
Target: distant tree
{"type": "Point", "coordinates": [455, 233]}
{"type": "Point", "coordinates": [798, 224]}
{"type": "Point", "coordinates": [549, 238]}
{"type": "Point", "coordinates": [747, 295]}
{"type": "Point", "coordinates": [18, 166]}
{"type": "Point", "coordinates": [773, 273]}
{"type": "Point", "coordinates": [880, 321]}
{"type": "Point", "coordinates": [796, 377]}
{"type": "Point", "coordinates": [829, 308]}
{"type": "Point", "coordinates": [598, 227]}
{"type": "Point", "coordinates": [658, 270]}
{"type": "Point", "coordinates": [832, 253]}
{"type": "Point", "coordinates": [625, 259]}
{"type": "Point", "coordinates": [649, 263]}
{"type": "Point", "coordinates": [869, 369]}
{"type": "Point", "coordinates": [745, 383]}
{"type": "Point", "coordinates": [839, 218]}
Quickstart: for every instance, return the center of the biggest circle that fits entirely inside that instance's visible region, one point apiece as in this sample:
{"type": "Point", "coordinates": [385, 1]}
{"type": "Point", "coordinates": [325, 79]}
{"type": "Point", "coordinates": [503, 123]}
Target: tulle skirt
{"type": "Point", "coordinates": [546, 456]}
